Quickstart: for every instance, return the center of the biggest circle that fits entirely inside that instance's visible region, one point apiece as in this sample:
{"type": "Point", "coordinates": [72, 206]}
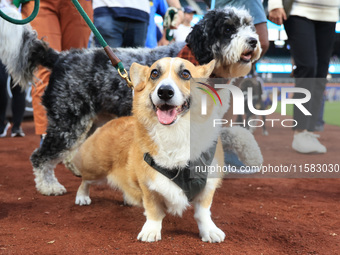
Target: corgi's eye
{"type": "Point", "coordinates": [154, 74]}
{"type": "Point", "coordinates": [185, 74]}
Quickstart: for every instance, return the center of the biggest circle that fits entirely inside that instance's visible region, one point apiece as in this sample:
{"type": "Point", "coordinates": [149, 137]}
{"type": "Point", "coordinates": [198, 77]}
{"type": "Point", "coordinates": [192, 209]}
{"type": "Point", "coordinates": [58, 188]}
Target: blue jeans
{"type": "Point", "coordinates": [18, 101]}
{"type": "Point", "coordinates": [121, 32]}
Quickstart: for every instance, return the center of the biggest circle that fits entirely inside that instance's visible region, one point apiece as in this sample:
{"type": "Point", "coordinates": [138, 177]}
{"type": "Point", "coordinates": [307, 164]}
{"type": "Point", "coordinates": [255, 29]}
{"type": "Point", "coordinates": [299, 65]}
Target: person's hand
{"type": "Point", "coordinates": [278, 16]}
{"type": "Point", "coordinates": [180, 18]}
{"type": "Point", "coordinates": [172, 18]}
{"type": "Point", "coordinates": [180, 14]}
{"type": "Point", "coordinates": [163, 41]}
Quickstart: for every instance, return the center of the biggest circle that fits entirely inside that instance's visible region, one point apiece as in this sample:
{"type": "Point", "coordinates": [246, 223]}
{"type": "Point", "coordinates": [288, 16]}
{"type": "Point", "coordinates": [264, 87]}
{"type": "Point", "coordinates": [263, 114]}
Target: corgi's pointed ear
{"type": "Point", "coordinates": [138, 74]}
{"type": "Point", "coordinates": [206, 70]}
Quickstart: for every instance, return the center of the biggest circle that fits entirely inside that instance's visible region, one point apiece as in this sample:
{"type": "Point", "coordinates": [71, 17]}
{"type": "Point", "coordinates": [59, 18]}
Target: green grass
{"type": "Point", "coordinates": [331, 113]}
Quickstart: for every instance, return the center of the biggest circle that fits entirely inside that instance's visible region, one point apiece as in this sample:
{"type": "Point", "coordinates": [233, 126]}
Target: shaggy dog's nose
{"type": "Point", "coordinates": [252, 42]}
{"type": "Point", "coordinates": [165, 92]}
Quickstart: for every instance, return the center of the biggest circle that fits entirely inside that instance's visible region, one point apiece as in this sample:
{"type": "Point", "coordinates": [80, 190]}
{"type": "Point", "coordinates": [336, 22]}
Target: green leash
{"type": "Point", "coordinates": [116, 62]}
{"type": "Point", "coordinates": [22, 21]}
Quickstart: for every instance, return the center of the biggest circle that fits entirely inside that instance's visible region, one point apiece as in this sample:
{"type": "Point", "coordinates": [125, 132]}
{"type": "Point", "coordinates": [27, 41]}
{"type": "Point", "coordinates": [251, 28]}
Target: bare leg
{"type": "Point", "coordinates": [262, 31]}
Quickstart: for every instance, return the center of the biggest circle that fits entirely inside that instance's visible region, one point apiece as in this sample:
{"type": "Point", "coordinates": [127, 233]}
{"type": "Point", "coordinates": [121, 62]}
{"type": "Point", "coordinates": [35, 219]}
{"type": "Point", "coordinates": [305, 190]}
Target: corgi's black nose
{"type": "Point", "coordinates": [252, 42]}
{"type": "Point", "coordinates": [165, 92]}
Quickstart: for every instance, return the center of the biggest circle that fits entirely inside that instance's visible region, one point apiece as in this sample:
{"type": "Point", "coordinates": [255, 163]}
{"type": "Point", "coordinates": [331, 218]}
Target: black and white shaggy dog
{"type": "Point", "coordinates": [84, 84]}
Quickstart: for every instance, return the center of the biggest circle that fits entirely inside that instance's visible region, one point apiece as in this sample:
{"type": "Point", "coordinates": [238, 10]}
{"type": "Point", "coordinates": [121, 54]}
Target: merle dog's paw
{"type": "Point", "coordinates": [51, 189]}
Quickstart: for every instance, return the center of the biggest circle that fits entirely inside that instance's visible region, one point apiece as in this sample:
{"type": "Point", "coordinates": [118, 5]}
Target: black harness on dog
{"type": "Point", "coordinates": [192, 182]}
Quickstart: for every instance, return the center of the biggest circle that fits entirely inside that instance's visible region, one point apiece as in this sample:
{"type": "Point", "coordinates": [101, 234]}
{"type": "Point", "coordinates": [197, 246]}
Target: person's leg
{"type": "Point", "coordinates": [112, 30]}
{"type": "Point", "coordinates": [47, 25]}
{"type": "Point", "coordinates": [75, 33]}
{"type": "Point", "coordinates": [325, 37]}
{"type": "Point", "coordinates": [320, 121]}
{"type": "Point", "coordinates": [135, 34]}
{"type": "Point", "coordinates": [3, 97]}
{"type": "Point", "coordinates": [39, 112]}
{"type": "Point", "coordinates": [299, 31]}
{"type": "Point", "coordinates": [18, 108]}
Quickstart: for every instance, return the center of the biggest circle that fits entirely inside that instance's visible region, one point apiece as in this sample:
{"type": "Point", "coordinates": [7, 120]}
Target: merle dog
{"type": "Point", "coordinates": [83, 82]}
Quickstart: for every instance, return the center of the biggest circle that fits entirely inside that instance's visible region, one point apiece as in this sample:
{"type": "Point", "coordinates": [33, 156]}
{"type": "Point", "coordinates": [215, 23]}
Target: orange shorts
{"type": "Point", "coordinates": [59, 23]}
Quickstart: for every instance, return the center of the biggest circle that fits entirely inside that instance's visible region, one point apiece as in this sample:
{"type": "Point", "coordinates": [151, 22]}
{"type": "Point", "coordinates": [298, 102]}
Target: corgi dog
{"type": "Point", "coordinates": [147, 155]}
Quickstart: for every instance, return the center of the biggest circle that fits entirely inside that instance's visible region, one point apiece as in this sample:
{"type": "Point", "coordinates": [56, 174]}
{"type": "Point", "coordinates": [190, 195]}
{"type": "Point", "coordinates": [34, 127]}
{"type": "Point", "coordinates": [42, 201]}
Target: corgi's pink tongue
{"type": "Point", "coordinates": [166, 117]}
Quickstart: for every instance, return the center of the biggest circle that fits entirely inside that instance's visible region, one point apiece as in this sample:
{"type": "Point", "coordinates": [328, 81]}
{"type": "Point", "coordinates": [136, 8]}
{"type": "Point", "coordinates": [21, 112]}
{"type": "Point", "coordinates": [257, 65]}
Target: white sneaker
{"type": "Point", "coordinates": [307, 142]}
{"type": "Point", "coordinates": [4, 131]}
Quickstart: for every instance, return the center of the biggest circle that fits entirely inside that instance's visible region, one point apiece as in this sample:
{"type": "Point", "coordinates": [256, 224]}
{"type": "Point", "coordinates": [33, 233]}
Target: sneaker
{"type": "Point", "coordinates": [3, 132]}
{"type": "Point", "coordinates": [17, 132]}
{"type": "Point", "coordinates": [307, 142]}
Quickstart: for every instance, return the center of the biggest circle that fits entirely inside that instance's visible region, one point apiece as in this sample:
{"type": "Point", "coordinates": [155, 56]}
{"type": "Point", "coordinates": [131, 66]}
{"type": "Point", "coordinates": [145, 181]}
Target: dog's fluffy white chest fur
{"type": "Point", "coordinates": [173, 144]}
{"type": "Point", "coordinates": [175, 199]}
{"type": "Point", "coordinates": [174, 151]}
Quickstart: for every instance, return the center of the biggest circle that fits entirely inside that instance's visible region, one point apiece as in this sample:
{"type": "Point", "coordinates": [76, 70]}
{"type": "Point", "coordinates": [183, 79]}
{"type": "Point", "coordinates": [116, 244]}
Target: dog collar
{"type": "Point", "coordinates": [190, 181]}
{"type": "Point", "coordinates": [187, 54]}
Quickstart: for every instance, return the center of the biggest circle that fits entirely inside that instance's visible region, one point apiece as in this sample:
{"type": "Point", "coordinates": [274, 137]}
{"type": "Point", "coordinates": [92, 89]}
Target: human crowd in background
{"type": "Point", "coordinates": [132, 23]}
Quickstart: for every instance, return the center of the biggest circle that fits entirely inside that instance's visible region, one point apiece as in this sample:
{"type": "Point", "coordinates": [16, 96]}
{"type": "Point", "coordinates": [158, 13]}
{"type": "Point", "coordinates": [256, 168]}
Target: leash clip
{"type": "Point", "coordinates": [125, 76]}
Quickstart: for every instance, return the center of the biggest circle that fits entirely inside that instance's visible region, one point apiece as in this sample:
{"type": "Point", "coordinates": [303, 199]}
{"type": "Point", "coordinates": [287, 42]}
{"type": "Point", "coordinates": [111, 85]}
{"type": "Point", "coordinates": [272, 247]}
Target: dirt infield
{"type": "Point", "coordinates": [259, 216]}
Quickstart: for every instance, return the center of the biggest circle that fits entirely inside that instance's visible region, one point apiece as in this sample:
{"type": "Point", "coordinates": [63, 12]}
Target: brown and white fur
{"type": "Point", "coordinates": [115, 151]}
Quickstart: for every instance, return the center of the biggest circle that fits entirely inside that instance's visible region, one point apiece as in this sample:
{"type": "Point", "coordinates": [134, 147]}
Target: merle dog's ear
{"type": "Point", "coordinates": [199, 39]}
{"type": "Point", "coordinates": [138, 74]}
{"type": "Point", "coordinates": [206, 70]}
